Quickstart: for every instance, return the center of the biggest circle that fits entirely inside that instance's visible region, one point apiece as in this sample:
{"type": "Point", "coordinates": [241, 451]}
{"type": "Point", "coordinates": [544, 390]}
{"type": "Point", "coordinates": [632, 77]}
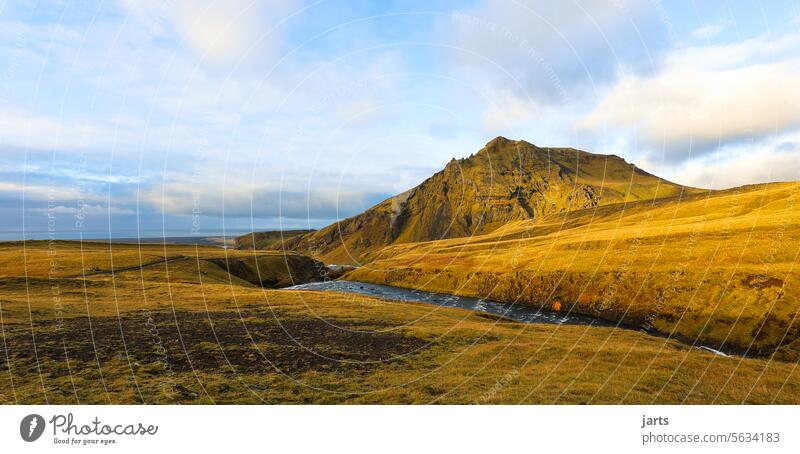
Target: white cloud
{"type": "Point", "coordinates": [217, 31]}
{"type": "Point", "coordinates": [86, 209]}
{"type": "Point", "coordinates": [20, 129]}
{"type": "Point", "coordinates": [703, 97]}
{"type": "Point", "coordinates": [508, 111]}
{"type": "Point", "coordinates": [758, 50]}
{"type": "Point", "coordinates": [772, 160]}
{"type": "Point", "coordinates": [706, 31]}
{"type": "Point", "coordinates": [257, 200]}
{"type": "Point", "coordinates": [358, 111]}
{"type": "Point", "coordinates": [497, 26]}
{"type": "Point", "coordinates": [40, 192]}
{"type": "Point", "coordinates": [543, 48]}
{"type": "Point", "coordinates": [35, 133]}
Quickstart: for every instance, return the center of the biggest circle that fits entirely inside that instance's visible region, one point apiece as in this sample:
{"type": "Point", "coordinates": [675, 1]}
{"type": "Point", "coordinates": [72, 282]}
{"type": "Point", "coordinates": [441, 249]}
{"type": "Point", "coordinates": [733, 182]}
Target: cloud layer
{"type": "Point", "coordinates": [705, 97]}
{"type": "Point", "coordinates": [139, 113]}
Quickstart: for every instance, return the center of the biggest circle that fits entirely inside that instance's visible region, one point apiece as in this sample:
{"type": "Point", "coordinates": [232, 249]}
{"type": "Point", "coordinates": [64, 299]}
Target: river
{"type": "Point", "coordinates": [517, 312]}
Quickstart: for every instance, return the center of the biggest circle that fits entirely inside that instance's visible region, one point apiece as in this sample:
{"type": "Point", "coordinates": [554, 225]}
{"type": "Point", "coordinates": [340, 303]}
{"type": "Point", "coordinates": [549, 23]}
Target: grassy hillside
{"type": "Point", "coordinates": [136, 337]}
{"type": "Point", "coordinates": [505, 181]}
{"type": "Point", "coordinates": [717, 266]}
{"type": "Point", "coordinates": [176, 262]}
{"type": "Point", "coordinates": [264, 240]}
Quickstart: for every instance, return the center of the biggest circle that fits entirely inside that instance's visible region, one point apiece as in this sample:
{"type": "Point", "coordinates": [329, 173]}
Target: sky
{"type": "Point", "coordinates": [133, 117]}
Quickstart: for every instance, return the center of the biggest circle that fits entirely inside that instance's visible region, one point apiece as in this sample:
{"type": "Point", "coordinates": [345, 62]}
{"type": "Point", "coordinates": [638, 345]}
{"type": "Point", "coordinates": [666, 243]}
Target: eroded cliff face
{"type": "Point", "coordinates": [505, 181]}
{"type": "Point", "coordinates": [274, 271]}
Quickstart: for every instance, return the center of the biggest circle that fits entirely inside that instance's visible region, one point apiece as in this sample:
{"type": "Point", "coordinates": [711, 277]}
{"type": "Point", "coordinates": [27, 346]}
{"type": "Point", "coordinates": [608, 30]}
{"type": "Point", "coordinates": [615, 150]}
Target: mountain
{"type": "Point", "coordinates": [507, 180]}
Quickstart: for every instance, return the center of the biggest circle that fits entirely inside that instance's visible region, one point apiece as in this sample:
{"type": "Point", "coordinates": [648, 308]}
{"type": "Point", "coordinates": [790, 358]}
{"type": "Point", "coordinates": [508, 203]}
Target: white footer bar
{"type": "Point", "coordinates": [400, 429]}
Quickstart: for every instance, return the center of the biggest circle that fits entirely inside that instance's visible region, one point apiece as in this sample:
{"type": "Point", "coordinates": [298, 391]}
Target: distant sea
{"type": "Point", "coordinates": [127, 235]}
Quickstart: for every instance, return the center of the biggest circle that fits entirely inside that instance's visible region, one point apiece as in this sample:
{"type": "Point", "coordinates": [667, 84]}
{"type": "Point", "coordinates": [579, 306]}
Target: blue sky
{"type": "Point", "coordinates": [193, 116]}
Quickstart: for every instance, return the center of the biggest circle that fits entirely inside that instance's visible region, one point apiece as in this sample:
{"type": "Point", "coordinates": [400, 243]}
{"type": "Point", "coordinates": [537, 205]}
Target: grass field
{"type": "Point", "coordinates": [180, 331]}
{"type": "Point", "coordinates": [716, 267]}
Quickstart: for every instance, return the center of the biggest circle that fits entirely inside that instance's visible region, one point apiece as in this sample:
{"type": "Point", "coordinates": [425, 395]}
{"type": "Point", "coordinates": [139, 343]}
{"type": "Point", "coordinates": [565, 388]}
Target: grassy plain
{"type": "Point", "coordinates": [182, 331]}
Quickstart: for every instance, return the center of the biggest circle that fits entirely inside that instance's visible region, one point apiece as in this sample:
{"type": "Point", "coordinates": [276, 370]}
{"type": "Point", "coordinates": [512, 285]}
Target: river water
{"type": "Point", "coordinates": [520, 313]}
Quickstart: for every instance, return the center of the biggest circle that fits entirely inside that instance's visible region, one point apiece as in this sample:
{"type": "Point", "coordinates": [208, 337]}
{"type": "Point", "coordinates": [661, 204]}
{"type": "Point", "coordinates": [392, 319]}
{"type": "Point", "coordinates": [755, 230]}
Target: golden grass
{"type": "Point", "coordinates": [125, 338]}
{"type": "Point", "coordinates": [262, 240]}
{"type": "Point", "coordinates": [718, 267]}
{"type": "Point", "coordinates": [71, 258]}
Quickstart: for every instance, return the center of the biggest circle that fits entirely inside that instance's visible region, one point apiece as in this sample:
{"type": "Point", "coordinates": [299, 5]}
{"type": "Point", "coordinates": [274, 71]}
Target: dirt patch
{"type": "Point", "coordinates": [760, 282]}
{"type": "Point", "coordinates": [253, 341]}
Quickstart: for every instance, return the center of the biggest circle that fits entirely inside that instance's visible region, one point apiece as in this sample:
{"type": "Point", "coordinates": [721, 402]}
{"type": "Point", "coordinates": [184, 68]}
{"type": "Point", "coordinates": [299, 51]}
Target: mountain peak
{"type": "Point", "coordinates": [498, 143]}
{"type": "Point", "coordinates": [499, 140]}
{"type": "Point", "coordinates": [507, 180]}
{"type": "Point", "coordinates": [500, 146]}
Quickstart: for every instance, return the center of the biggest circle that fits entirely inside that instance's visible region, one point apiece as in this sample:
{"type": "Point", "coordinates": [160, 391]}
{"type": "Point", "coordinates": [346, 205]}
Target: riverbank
{"type": "Point", "coordinates": [509, 311]}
